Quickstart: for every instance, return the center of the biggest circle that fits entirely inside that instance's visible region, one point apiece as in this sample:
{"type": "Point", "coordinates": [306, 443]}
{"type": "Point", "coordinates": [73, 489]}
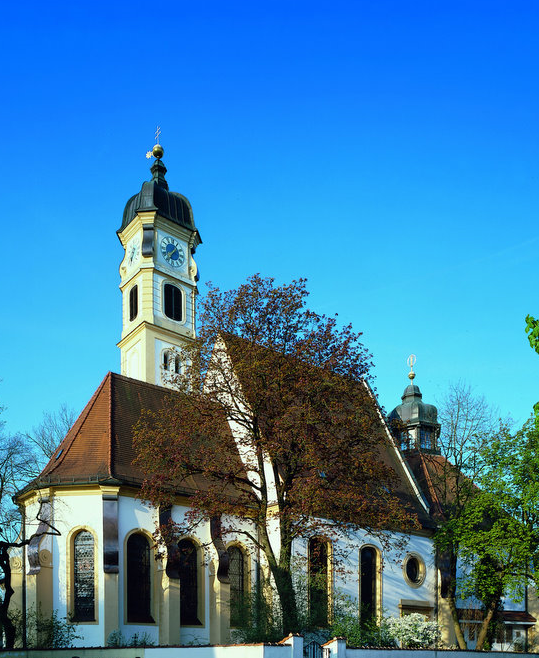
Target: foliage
{"type": "Point", "coordinates": [413, 631]}
{"type": "Point", "coordinates": [359, 630]}
{"type": "Point", "coordinates": [496, 536]}
{"type": "Point", "coordinates": [532, 329]}
{"type": "Point", "coordinates": [117, 639]}
{"type": "Point", "coordinates": [307, 431]}
{"type": "Point", "coordinates": [469, 425]}
{"type": "Point", "coordinates": [44, 631]}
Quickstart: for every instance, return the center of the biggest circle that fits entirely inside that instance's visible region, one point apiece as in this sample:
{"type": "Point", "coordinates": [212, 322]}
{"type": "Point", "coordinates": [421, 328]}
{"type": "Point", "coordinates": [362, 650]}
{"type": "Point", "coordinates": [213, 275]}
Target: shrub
{"type": "Point", "coordinates": [118, 639]}
{"type": "Point", "coordinates": [44, 631]}
{"type": "Point", "coordinates": [413, 631]}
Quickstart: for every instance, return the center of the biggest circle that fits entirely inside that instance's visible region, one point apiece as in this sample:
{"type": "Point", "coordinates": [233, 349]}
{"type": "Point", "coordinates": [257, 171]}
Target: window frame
{"type": "Point", "coordinates": [151, 569]}
{"type": "Point", "coordinates": [200, 573]}
{"type": "Point", "coordinates": [324, 620]}
{"type": "Point", "coordinates": [421, 573]}
{"type": "Point", "coordinates": [246, 580]}
{"type": "Point", "coordinates": [133, 305]}
{"type": "Point", "coordinates": [376, 579]}
{"type": "Point", "coordinates": [181, 292]}
{"type": "Point", "coordinates": [70, 565]}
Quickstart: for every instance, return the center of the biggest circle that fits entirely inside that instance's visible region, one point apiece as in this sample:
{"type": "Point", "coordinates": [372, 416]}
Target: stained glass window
{"type": "Point", "coordinates": [187, 556]}
{"type": "Point", "coordinates": [84, 577]}
{"type": "Point", "coordinates": [138, 580]}
{"type": "Point", "coordinates": [236, 572]}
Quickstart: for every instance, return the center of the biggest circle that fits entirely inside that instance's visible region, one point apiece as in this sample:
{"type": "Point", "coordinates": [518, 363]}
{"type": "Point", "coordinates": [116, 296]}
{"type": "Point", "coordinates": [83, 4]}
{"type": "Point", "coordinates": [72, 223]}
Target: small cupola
{"type": "Point", "coordinates": [156, 196]}
{"type": "Point", "coordinates": [415, 422]}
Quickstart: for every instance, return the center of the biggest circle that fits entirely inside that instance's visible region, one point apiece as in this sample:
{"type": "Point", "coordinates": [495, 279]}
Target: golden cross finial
{"type": "Point", "coordinates": [157, 150]}
{"type": "Point", "coordinates": [411, 362]}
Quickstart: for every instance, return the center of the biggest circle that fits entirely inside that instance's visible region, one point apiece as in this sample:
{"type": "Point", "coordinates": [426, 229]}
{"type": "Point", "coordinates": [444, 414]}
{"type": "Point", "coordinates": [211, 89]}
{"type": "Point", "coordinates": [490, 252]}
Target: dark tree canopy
{"type": "Point", "coordinates": [274, 421]}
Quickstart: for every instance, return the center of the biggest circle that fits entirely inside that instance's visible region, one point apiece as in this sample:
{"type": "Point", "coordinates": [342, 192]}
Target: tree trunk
{"type": "Point", "coordinates": [452, 597]}
{"type": "Point", "coordinates": [481, 638]}
{"type": "Point", "coordinates": [5, 621]}
{"type": "Point", "coordinates": [287, 598]}
{"type": "Point", "coordinates": [283, 581]}
{"type": "Point", "coordinates": [456, 622]}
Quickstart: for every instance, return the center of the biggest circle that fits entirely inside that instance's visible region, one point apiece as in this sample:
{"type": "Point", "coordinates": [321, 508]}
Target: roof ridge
{"type": "Point", "coordinates": [142, 383]}
{"type": "Point", "coordinates": [109, 428]}
{"type": "Point", "coordinates": [430, 484]}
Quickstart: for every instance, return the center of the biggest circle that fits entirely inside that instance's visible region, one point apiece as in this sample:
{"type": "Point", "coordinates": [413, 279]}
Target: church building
{"type": "Point", "coordinates": [102, 569]}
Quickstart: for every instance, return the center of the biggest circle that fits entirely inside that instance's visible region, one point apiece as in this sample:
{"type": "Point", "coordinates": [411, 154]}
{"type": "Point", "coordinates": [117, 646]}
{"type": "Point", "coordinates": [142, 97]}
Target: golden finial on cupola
{"type": "Point", "coordinates": [411, 362]}
{"type": "Point", "coordinates": [157, 150]}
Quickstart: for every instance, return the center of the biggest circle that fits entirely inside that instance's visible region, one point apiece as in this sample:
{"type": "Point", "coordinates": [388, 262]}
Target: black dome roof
{"type": "Point", "coordinates": [413, 409]}
{"type": "Point", "coordinates": [155, 195]}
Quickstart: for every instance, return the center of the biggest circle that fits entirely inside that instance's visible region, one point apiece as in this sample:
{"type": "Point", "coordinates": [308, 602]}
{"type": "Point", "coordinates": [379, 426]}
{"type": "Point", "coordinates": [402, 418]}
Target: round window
{"type": "Point", "coordinates": [414, 570]}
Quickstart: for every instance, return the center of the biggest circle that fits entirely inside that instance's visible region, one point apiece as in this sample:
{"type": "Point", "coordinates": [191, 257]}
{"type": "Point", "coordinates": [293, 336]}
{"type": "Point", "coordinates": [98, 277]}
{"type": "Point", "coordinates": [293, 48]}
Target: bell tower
{"type": "Point", "coordinates": [158, 279]}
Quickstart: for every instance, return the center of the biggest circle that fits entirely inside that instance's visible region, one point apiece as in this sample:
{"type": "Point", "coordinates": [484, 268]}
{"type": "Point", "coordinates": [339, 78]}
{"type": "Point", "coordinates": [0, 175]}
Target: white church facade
{"type": "Point", "coordinates": [102, 568]}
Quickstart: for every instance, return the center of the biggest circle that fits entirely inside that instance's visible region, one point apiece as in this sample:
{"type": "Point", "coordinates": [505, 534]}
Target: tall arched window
{"type": "Point", "coordinates": [368, 583]}
{"type": "Point", "coordinates": [238, 585]}
{"type": "Point", "coordinates": [188, 570]}
{"type": "Point", "coordinates": [139, 581]}
{"type": "Point", "coordinates": [133, 303]}
{"type": "Point", "coordinates": [318, 582]}
{"type": "Point", "coordinates": [173, 305]}
{"type": "Point", "coordinates": [83, 577]}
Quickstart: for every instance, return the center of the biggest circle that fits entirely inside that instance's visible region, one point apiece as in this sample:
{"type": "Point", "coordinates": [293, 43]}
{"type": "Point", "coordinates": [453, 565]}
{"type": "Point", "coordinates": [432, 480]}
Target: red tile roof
{"type": "Point", "coordinates": [99, 445]}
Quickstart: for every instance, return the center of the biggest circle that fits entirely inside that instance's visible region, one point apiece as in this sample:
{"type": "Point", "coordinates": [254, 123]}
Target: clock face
{"type": "Point", "coordinates": [133, 252]}
{"type": "Point", "coordinates": [172, 252]}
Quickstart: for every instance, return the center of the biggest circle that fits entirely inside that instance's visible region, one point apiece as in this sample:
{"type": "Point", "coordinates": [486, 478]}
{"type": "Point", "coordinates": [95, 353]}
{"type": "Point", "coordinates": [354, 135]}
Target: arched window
{"type": "Point", "coordinates": [173, 305]}
{"type": "Point", "coordinates": [238, 585]}
{"type": "Point", "coordinates": [139, 581]}
{"type": "Point", "coordinates": [83, 577]}
{"type": "Point", "coordinates": [171, 362]}
{"type": "Point", "coordinates": [425, 438]}
{"type": "Point", "coordinates": [133, 303]}
{"type": "Point", "coordinates": [188, 570]}
{"type": "Point", "coordinates": [368, 583]}
{"type": "Point", "coordinates": [318, 582]}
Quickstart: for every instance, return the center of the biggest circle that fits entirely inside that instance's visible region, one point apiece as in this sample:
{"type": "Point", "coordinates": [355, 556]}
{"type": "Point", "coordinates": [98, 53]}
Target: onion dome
{"type": "Point", "coordinates": [155, 196]}
{"type": "Point", "coordinates": [415, 422]}
{"type": "Point", "coordinates": [413, 409]}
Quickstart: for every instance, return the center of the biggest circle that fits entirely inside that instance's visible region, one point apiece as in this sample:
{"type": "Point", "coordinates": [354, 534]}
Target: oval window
{"type": "Point", "coordinates": [414, 570]}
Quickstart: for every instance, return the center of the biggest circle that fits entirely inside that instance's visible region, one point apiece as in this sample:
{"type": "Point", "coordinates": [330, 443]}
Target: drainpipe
{"type": "Point", "coordinates": [23, 516]}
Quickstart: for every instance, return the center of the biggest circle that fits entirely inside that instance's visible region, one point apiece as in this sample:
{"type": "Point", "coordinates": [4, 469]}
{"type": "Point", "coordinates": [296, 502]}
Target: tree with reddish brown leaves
{"type": "Point", "coordinates": [273, 422]}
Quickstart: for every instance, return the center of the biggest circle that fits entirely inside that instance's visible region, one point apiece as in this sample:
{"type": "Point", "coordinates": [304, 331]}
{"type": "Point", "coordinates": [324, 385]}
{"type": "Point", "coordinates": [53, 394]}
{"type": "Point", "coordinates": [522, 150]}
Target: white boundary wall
{"type": "Point", "coordinates": [290, 647]}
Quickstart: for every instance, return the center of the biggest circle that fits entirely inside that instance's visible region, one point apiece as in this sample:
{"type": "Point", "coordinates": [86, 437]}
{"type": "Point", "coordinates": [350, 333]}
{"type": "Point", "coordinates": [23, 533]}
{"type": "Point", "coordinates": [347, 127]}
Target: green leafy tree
{"type": "Point", "coordinates": [307, 429]}
{"type": "Point", "coordinates": [532, 329]}
{"type": "Point", "coordinates": [497, 533]}
{"type": "Point", "coordinates": [468, 423]}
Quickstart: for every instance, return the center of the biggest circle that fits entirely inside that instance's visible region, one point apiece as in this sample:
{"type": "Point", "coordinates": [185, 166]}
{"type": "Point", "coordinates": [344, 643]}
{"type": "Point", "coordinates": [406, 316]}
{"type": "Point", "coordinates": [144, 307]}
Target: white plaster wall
{"type": "Point", "coordinates": [134, 515]}
{"type": "Point", "coordinates": [77, 511]}
{"type": "Point", "coordinates": [394, 586]}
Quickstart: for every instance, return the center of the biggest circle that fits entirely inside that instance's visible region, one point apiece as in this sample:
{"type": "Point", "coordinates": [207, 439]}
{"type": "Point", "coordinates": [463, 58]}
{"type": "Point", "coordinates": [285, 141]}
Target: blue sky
{"type": "Point", "coordinates": [387, 151]}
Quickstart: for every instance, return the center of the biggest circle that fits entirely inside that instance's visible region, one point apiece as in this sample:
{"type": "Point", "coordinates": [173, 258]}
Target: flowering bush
{"type": "Point", "coordinates": [413, 630]}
